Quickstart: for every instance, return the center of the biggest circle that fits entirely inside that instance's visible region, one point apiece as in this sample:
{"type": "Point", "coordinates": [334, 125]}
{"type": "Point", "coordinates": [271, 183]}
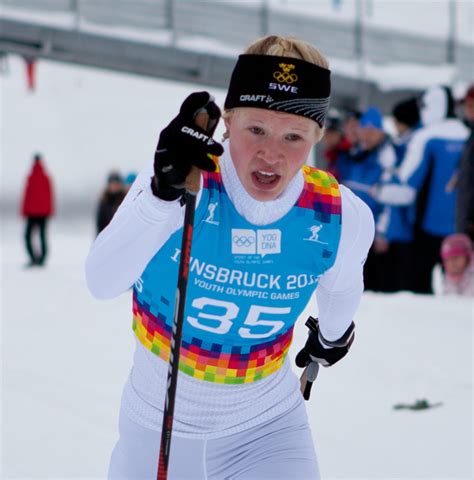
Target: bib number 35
{"type": "Point", "coordinates": [256, 324]}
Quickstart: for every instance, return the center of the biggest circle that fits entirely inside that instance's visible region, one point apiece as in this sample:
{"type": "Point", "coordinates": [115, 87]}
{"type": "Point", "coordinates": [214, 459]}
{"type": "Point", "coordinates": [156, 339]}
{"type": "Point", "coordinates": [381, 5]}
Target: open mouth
{"type": "Point", "coordinates": [265, 179]}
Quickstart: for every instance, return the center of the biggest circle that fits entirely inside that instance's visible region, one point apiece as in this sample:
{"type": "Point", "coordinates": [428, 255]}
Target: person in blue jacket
{"type": "Point", "coordinates": [396, 223]}
{"type": "Point", "coordinates": [373, 164]}
{"type": "Point", "coordinates": [426, 177]}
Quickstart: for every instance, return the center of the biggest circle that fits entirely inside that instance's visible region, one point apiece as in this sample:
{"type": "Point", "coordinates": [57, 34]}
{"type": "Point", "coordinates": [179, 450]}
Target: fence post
{"type": "Point", "coordinates": [264, 17]}
{"type": "Point", "coordinates": [451, 41]}
{"type": "Point", "coordinates": [169, 14]}
{"type": "Point", "coordinates": [360, 53]}
{"type": "Point", "coordinates": [169, 19]}
{"type": "Point", "coordinates": [358, 48]}
{"type": "Point", "coordinates": [74, 7]}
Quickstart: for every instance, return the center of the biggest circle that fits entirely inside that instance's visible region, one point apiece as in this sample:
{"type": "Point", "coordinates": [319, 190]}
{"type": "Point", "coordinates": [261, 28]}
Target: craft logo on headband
{"type": "Point", "coordinates": [301, 88]}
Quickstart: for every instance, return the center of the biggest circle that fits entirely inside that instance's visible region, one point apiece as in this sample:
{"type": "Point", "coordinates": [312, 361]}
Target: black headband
{"type": "Point", "coordinates": [284, 84]}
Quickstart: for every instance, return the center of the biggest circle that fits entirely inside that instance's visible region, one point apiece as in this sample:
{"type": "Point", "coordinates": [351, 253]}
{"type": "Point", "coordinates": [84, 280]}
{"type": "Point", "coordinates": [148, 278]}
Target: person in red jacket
{"type": "Point", "coordinates": [37, 207]}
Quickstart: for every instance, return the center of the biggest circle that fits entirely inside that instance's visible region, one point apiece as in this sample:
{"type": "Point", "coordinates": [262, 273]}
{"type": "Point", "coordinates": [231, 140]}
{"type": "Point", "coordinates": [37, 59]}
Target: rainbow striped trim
{"type": "Point", "coordinates": [213, 180]}
{"type": "Point", "coordinates": [321, 193]}
{"type": "Point", "coordinates": [211, 362]}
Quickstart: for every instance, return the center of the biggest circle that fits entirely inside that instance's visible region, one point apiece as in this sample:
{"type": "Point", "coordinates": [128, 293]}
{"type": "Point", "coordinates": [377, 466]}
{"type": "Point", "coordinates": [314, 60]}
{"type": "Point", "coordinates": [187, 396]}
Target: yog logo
{"type": "Point", "coordinates": [252, 242]}
{"type": "Point", "coordinates": [285, 76]}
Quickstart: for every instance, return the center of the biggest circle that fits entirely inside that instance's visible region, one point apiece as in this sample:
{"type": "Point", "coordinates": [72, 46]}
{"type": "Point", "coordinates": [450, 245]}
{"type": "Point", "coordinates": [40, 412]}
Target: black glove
{"type": "Point", "coordinates": [314, 354]}
{"type": "Point", "coordinates": [183, 144]}
{"type": "Point", "coordinates": [314, 350]}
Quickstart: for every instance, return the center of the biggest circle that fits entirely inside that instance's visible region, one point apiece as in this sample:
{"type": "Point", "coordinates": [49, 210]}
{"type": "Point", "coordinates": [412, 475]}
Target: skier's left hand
{"type": "Point", "coordinates": [318, 349]}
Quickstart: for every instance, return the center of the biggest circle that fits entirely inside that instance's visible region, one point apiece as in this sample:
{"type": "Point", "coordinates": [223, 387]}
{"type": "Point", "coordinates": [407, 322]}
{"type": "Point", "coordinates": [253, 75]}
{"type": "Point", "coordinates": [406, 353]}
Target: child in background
{"type": "Point", "coordinates": [456, 253]}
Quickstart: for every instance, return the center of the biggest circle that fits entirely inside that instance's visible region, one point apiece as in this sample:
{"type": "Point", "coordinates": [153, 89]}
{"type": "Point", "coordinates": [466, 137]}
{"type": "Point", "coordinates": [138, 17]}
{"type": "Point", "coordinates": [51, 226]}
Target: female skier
{"type": "Point", "coordinates": [268, 232]}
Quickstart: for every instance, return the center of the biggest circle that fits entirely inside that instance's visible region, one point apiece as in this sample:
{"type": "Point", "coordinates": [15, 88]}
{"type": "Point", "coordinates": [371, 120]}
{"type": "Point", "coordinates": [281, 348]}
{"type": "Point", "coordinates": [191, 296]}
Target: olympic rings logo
{"type": "Point", "coordinates": [243, 241]}
{"type": "Point", "coordinates": [285, 77]}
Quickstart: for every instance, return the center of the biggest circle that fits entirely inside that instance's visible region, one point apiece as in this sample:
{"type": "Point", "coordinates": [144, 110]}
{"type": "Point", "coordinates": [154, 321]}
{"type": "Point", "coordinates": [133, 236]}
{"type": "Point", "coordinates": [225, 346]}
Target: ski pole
{"type": "Point", "coordinates": [307, 379]}
{"type": "Point", "coordinates": [192, 188]}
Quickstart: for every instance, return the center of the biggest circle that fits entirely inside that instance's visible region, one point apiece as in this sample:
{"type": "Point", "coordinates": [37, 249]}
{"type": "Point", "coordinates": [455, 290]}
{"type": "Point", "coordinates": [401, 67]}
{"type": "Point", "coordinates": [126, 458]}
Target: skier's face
{"type": "Point", "coordinates": [269, 148]}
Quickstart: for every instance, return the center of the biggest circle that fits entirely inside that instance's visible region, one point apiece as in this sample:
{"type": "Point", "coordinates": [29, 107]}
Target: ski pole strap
{"type": "Point", "coordinates": [313, 324]}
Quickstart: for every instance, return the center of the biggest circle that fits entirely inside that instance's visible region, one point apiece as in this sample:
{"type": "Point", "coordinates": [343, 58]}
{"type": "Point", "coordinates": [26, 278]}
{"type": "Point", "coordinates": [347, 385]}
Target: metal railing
{"type": "Point", "coordinates": [236, 24]}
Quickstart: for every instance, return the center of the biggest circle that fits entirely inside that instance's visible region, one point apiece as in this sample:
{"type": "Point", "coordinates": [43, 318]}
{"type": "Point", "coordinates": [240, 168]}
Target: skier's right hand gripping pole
{"type": "Point", "coordinates": [319, 351]}
{"type": "Point", "coordinates": [184, 148]}
{"type": "Point", "coordinates": [184, 144]}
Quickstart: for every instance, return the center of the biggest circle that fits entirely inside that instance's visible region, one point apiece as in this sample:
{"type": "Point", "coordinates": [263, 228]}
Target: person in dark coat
{"type": "Point", "coordinates": [110, 200]}
{"type": "Point", "coordinates": [465, 177]}
{"type": "Point", "coordinates": [37, 207]}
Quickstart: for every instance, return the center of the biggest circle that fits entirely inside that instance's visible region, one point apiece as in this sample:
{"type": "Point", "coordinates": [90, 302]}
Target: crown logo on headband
{"type": "Point", "coordinates": [285, 76]}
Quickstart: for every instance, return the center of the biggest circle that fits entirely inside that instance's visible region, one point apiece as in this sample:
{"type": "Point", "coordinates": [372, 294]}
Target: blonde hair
{"type": "Point", "coordinates": [284, 47]}
{"type": "Point", "coordinates": [287, 47]}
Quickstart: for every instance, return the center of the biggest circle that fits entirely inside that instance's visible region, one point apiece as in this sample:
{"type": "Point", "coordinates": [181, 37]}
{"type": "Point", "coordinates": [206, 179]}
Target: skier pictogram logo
{"type": "Point", "coordinates": [314, 237]}
{"type": "Point", "coordinates": [212, 210]}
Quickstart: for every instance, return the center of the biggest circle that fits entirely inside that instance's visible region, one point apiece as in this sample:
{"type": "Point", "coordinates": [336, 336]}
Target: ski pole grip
{"type": "Point", "coordinates": [193, 180]}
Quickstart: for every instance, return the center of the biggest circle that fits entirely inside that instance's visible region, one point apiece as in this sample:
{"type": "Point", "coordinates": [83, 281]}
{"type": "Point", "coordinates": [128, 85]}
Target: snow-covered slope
{"type": "Point", "coordinates": [66, 357]}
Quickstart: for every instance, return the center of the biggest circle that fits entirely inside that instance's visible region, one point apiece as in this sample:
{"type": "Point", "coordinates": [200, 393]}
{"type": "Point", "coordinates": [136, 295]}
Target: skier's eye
{"type": "Point", "coordinates": [293, 137]}
{"type": "Point", "coordinates": [256, 130]}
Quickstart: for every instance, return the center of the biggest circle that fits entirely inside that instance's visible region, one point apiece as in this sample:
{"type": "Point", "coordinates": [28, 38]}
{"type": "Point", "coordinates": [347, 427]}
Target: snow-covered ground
{"type": "Point", "coordinates": [65, 356]}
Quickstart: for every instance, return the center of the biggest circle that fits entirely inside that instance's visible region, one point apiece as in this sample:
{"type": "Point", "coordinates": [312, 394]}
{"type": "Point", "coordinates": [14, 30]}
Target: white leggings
{"type": "Point", "coordinates": [279, 449]}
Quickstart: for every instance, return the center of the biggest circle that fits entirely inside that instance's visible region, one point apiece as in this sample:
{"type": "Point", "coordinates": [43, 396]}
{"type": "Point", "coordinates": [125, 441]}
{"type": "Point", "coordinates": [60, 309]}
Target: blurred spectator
{"type": "Point", "coordinates": [456, 253]}
{"type": "Point", "coordinates": [406, 115]}
{"type": "Point", "coordinates": [350, 127]}
{"type": "Point", "coordinates": [465, 177]}
{"type": "Point", "coordinates": [376, 155]}
{"type": "Point", "coordinates": [372, 165]}
{"type": "Point", "coordinates": [129, 179]}
{"type": "Point", "coordinates": [395, 224]}
{"type": "Point", "coordinates": [30, 63]}
{"type": "Point", "coordinates": [110, 200]}
{"type": "Point", "coordinates": [334, 144]}
{"type": "Point", "coordinates": [425, 176]}
{"type": "Point", "coordinates": [37, 207]}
